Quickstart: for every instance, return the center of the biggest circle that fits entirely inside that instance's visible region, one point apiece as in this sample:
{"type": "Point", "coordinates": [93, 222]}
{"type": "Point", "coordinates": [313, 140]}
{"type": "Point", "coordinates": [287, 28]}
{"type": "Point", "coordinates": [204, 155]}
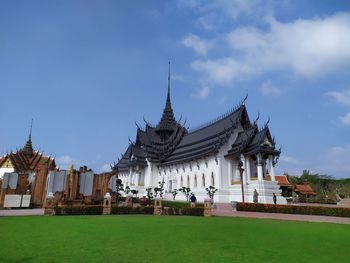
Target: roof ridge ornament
{"type": "Point", "coordinates": [257, 118]}
{"type": "Point", "coordinates": [245, 99]}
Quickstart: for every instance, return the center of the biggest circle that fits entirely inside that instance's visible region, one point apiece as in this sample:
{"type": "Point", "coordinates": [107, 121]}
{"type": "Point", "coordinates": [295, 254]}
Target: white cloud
{"type": "Point", "coordinates": [341, 97]}
{"type": "Point", "coordinates": [189, 3]}
{"type": "Point", "coordinates": [177, 77]}
{"type": "Point", "coordinates": [334, 161]}
{"type": "Point", "coordinates": [268, 89]}
{"type": "Point", "coordinates": [346, 119]}
{"type": "Point", "coordinates": [202, 93]}
{"type": "Point", "coordinates": [64, 161]}
{"type": "Point", "coordinates": [221, 71]}
{"type": "Point", "coordinates": [338, 160]}
{"type": "Point", "coordinates": [237, 8]}
{"type": "Point", "coordinates": [309, 48]}
{"type": "Point", "coordinates": [199, 45]}
{"type": "Point", "coordinates": [207, 21]}
{"type": "Point", "coordinates": [289, 159]}
{"type": "Point", "coordinates": [105, 168]}
{"type": "Point", "coordinates": [232, 9]}
{"type": "Point", "coordinates": [153, 14]}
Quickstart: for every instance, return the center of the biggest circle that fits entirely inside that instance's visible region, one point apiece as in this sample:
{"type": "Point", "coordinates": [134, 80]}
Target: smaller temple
{"type": "Point", "coordinates": [25, 172]}
{"type": "Point", "coordinates": [30, 175]}
{"type": "Point", "coordinates": [304, 191]}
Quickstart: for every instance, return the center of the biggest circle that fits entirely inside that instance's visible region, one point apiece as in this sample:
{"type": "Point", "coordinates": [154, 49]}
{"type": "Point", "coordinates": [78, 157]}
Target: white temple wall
{"type": "Point", "coordinates": [199, 174]}
{"type": "Point", "coordinates": [5, 170]}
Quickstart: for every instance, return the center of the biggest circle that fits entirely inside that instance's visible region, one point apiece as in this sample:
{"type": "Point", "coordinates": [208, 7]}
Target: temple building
{"type": "Point", "coordinates": [28, 178]}
{"type": "Point", "coordinates": [230, 153]}
{"type": "Point", "coordinates": [25, 172]}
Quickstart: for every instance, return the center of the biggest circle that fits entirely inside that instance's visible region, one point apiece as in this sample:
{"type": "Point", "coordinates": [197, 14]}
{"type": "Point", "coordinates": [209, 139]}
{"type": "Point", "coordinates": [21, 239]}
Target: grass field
{"type": "Point", "coordinates": [169, 239]}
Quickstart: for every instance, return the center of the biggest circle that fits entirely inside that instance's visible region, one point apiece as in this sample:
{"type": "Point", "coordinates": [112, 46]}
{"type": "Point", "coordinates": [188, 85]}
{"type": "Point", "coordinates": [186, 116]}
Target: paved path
{"type": "Point", "coordinates": [22, 212]}
{"type": "Point", "coordinates": [226, 210]}
{"type": "Point", "coordinates": [344, 203]}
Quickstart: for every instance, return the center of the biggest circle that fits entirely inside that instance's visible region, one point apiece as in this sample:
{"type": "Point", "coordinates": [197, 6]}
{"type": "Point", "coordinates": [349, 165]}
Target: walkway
{"type": "Point", "coordinates": [22, 212]}
{"type": "Point", "coordinates": [226, 210]}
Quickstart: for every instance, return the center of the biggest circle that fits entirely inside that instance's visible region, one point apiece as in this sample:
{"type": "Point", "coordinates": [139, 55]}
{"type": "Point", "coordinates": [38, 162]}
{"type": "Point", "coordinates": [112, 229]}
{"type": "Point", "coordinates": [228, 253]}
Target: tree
{"type": "Point", "coordinates": [211, 190]}
{"type": "Point", "coordinates": [186, 191]}
{"type": "Point", "coordinates": [149, 193]}
{"type": "Point", "coordinates": [174, 193]}
{"type": "Point", "coordinates": [119, 188]}
{"type": "Point", "coordinates": [161, 188]}
{"type": "Point", "coordinates": [127, 190]}
{"type": "Point", "coordinates": [157, 191]}
{"type": "Point", "coordinates": [134, 192]}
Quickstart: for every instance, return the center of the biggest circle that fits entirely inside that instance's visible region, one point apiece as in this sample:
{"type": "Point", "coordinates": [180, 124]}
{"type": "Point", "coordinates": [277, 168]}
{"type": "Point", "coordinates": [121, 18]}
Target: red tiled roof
{"type": "Point", "coordinates": [304, 189]}
{"type": "Point", "coordinates": [282, 180]}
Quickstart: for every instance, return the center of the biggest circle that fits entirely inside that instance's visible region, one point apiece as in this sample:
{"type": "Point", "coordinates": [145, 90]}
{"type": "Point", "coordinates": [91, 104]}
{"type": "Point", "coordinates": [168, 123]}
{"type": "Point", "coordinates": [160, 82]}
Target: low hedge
{"type": "Point", "coordinates": [179, 204]}
{"type": "Point", "coordinates": [196, 211]}
{"type": "Point", "coordinates": [79, 210]}
{"type": "Point", "coordinates": [295, 209]}
{"type": "Point", "coordinates": [125, 210]}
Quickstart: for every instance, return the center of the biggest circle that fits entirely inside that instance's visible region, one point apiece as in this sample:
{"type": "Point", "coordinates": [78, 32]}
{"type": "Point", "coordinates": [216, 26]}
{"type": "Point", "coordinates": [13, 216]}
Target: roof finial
{"type": "Point", "coordinates": [169, 78]}
{"type": "Point", "coordinates": [28, 147]}
{"type": "Point", "coordinates": [30, 131]}
{"type": "Point", "coordinates": [167, 121]}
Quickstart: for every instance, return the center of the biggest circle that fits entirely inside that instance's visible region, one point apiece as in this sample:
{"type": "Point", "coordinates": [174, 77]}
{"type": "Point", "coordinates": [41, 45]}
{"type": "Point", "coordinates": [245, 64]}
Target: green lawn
{"type": "Point", "coordinates": [169, 239]}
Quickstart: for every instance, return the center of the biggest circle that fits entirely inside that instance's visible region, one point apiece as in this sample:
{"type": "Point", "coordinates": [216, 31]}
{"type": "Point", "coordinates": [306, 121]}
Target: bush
{"type": "Point", "coordinates": [79, 210]}
{"type": "Point", "coordinates": [179, 205]}
{"type": "Point", "coordinates": [182, 208]}
{"type": "Point", "coordinates": [125, 210]}
{"type": "Point", "coordinates": [196, 211]}
{"type": "Point", "coordinates": [294, 209]}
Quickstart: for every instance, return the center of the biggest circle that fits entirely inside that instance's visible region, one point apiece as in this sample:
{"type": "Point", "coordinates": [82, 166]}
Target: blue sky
{"type": "Point", "coordinates": [86, 71]}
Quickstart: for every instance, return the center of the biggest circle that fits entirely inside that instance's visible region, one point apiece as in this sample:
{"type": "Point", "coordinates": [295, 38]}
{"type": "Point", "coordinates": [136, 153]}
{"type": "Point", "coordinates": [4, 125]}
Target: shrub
{"type": "Point", "coordinates": [125, 210]}
{"type": "Point", "coordinates": [79, 210]}
{"type": "Point", "coordinates": [196, 211]}
{"type": "Point", "coordinates": [179, 205]}
{"type": "Point", "coordinates": [294, 209]}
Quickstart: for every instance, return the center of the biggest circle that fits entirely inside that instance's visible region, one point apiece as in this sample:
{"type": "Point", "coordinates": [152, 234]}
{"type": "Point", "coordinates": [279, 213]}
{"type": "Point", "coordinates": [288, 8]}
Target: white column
{"type": "Point", "coordinates": [249, 175]}
{"type": "Point", "coordinates": [237, 175]}
{"type": "Point", "coordinates": [260, 168]}
{"type": "Point", "coordinates": [244, 177]}
{"type": "Point", "coordinates": [230, 179]}
{"type": "Point", "coordinates": [217, 176]}
{"type": "Point", "coordinates": [137, 179]}
{"type": "Point", "coordinates": [272, 168]}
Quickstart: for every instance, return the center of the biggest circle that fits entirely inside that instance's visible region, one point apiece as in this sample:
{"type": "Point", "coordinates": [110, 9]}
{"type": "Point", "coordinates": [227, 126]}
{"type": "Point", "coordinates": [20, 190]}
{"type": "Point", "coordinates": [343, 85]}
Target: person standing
{"type": "Point", "coordinates": [255, 196]}
{"type": "Point", "coordinates": [193, 200]}
{"type": "Point", "coordinates": [274, 197]}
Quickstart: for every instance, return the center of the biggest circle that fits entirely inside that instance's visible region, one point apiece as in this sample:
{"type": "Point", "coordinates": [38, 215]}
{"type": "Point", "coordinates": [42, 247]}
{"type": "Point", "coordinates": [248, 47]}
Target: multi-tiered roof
{"type": "Point", "coordinates": [27, 159]}
{"type": "Point", "coordinates": [170, 142]}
